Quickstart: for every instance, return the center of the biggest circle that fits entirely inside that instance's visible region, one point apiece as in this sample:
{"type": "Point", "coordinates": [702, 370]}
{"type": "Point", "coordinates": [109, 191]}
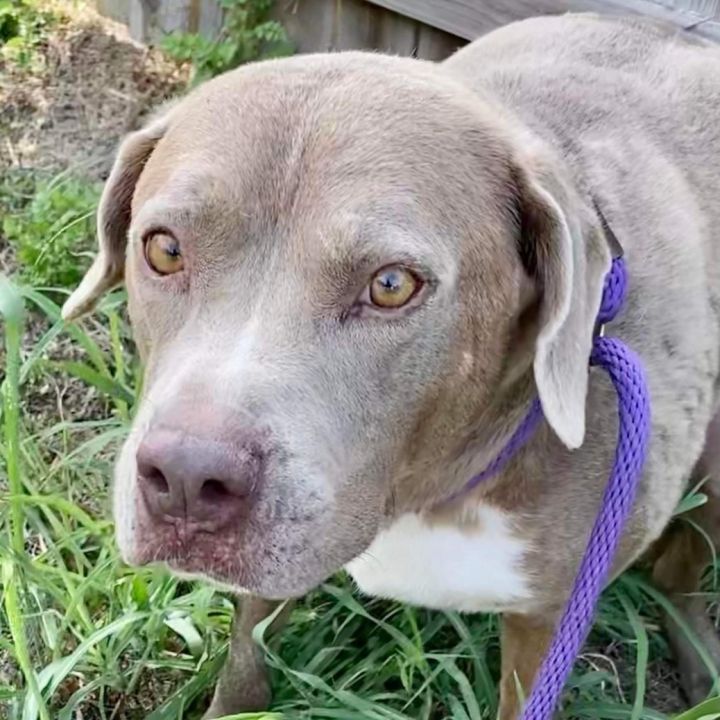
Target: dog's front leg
{"type": "Point", "coordinates": [524, 640]}
{"type": "Point", "coordinates": [244, 685]}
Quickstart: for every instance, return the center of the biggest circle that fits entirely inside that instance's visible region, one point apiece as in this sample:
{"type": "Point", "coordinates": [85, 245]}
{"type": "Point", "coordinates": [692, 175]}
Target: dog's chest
{"type": "Point", "coordinates": [473, 568]}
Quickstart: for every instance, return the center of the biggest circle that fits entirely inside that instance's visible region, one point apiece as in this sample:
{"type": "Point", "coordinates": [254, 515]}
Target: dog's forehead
{"type": "Point", "coordinates": [342, 161]}
{"type": "Point", "coordinates": [338, 232]}
{"type": "Point", "coordinates": [282, 177]}
{"type": "Point", "coordinates": [259, 126]}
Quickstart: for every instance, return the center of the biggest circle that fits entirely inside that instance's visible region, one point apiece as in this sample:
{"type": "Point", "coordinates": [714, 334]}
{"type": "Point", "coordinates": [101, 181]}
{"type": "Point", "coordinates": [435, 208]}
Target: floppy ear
{"type": "Point", "coordinates": [113, 220]}
{"type": "Point", "coordinates": [567, 256]}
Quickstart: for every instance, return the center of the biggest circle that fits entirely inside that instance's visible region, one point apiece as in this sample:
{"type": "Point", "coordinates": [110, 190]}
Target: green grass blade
{"type": "Point", "coordinates": [104, 383]}
{"type": "Point", "coordinates": [708, 710]}
{"type": "Point", "coordinates": [471, 710]}
{"type": "Point", "coordinates": [677, 617]}
{"type": "Point", "coordinates": [52, 675]}
{"type": "Point", "coordinates": [642, 655]}
{"type": "Point", "coordinates": [11, 307]}
{"type": "Point", "coordinates": [52, 311]}
{"type": "Point", "coordinates": [12, 310]}
{"type": "Point", "coordinates": [13, 608]}
{"type": "Point", "coordinates": [39, 349]}
{"type": "Point", "coordinates": [174, 707]}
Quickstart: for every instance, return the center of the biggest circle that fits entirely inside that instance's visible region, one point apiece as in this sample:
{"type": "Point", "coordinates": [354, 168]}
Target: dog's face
{"type": "Point", "coordinates": [329, 267]}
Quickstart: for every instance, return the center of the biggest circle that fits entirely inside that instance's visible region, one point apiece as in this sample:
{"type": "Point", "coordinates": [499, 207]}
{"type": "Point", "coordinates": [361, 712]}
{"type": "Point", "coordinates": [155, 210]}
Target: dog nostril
{"type": "Point", "coordinates": [154, 477]}
{"type": "Point", "coordinates": [214, 491]}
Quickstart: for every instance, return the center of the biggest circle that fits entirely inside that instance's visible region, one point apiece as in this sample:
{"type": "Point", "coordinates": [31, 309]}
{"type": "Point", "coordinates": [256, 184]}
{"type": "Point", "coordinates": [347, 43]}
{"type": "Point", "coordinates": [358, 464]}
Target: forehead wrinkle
{"type": "Point", "coordinates": [186, 197]}
{"type": "Point", "coordinates": [358, 243]}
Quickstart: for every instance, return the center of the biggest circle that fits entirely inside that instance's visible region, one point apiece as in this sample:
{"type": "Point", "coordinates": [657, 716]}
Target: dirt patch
{"type": "Point", "coordinates": [89, 86]}
{"type": "Point", "coordinates": [663, 688]}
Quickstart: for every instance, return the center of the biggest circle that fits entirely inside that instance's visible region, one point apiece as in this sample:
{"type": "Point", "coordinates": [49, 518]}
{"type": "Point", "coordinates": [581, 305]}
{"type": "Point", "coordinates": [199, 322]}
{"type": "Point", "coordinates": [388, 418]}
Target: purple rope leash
{"type": "Point", "coordinates": [628, 376]}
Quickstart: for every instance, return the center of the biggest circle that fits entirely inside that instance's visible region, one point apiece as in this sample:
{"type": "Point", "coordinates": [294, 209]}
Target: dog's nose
{"type": "Point", "coordinates": [197, 478]}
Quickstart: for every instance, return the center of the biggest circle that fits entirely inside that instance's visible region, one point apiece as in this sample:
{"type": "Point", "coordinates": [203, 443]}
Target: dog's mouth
{"type": "Point", "coordinates": [273, 559]}
{"type": "Point", "coordinates": [191, 548]}
{"type": "Point", "coordinates": [275, 538]}
{"type": "Point", "coordinates": [223, 559]}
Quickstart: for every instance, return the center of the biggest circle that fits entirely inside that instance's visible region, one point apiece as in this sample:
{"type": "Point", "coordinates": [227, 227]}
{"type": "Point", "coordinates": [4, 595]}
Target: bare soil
{"type": "Point", "coordinates": [89, 86]}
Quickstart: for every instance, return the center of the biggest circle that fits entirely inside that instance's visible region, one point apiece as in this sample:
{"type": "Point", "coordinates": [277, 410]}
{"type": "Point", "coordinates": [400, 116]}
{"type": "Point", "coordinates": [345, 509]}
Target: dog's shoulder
{"type": "Point", "coordinates": [608, 41]}
{"type": "Point", "coordinates": [590, 67]}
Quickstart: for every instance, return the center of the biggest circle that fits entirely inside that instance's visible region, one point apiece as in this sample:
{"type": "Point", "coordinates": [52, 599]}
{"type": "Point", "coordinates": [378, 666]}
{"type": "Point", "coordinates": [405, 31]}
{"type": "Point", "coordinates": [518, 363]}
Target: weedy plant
{"type": "Point", "coordinates": [248, 33]}
{"type": "Point", "coordinates": [50, 225]}
{"type": "Point", "coordinates": [23, 26]}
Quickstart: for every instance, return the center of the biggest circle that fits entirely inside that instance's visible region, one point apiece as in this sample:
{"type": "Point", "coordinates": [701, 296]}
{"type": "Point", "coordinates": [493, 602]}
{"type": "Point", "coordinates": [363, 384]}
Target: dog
{"type": "Point", "coordinates": [349, 275]}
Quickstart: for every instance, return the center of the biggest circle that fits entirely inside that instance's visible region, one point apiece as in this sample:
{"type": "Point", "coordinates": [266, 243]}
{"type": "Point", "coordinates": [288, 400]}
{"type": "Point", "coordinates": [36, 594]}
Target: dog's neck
{"type": "Point", "coordinates": [426, 486]}
{"type": "Point", "coordinates": [463, 477]}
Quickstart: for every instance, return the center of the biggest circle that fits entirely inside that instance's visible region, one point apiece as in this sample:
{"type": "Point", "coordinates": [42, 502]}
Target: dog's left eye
{"type": "Point", "coordinates": [393, 287]}
{"type": "Point", "coordinates": [163, 254]}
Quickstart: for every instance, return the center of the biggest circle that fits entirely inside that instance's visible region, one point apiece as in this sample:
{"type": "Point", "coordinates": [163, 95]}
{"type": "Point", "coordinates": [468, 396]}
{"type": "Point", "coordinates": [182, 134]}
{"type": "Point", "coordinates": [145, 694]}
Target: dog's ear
{"type": "Point", "coordinates": [567, 257]}
{"type": "Point", "coordinates": [113, 219]}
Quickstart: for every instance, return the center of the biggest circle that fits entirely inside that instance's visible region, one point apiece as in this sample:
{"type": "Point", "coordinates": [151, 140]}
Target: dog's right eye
{"type": "Point", "coordinates": [163, 254]}
{"type": "Point", "coordinates": [393, 287]}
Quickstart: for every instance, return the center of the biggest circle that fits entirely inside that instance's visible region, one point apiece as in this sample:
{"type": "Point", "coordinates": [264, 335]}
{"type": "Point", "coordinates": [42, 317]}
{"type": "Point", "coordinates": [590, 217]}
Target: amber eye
{"type": "Point", "coordinates": [163, 255]}
{"type": "Point", "coordinates": [393, 287]}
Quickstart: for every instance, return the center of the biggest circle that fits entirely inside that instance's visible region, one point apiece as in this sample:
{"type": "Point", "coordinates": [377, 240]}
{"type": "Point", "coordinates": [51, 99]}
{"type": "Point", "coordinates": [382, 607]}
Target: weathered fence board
{"type": "Point", "coordinates": [398, 34]}
{"type": "Point", "coordinates": [471, 18]}
{"type": "Point", "coordinates": [321, 25]}
{"type": "Point", "coordinates": [430, 29]}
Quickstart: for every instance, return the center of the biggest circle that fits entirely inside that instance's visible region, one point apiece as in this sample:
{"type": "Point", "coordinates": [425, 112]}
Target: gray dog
{"type": "Point", "coordinates": [349, 275]}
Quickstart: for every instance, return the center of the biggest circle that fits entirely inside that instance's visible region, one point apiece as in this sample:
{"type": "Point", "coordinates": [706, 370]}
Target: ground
{"type": "Point", "coordinates": [106, 642]}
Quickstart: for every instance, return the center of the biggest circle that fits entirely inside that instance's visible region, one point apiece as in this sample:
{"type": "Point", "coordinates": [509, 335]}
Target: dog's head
{"type": "Point", "coordinates": [335, 265]}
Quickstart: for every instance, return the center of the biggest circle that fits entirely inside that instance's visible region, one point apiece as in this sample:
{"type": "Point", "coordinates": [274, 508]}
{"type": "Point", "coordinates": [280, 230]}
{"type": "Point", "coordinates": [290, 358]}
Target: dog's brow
{"type": "Point", "coordinates": [388, 244]}
{"type": "Point", "coordinates": [186, 194]}
{"type": "Point", "coordinates": [172, 211]}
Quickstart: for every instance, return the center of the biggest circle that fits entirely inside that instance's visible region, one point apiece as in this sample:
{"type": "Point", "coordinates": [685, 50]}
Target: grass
{"type": "Point", "coordinates": [50, 224]}
{"type": "Point", "coordinates": [23, 27]}
{"type": "Point", "coordinates": [83, 636]}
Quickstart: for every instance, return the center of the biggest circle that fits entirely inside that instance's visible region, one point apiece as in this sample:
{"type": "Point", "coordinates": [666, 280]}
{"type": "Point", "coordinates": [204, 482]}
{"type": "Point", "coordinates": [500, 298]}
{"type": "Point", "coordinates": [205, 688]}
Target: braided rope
{"type": "Point", "coordinates": [628, 377]}
{"type": "Point", "coordinates": [614, 291]}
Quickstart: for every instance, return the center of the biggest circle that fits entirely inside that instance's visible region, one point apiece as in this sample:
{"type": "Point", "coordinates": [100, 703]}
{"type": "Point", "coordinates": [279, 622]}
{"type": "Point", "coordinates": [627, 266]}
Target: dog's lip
{"type": "Point", "coordinates": [195, 553]}
{"type": "Point", "coordinates": [239, 572]}
{"type": "Point", "coordinates": [196, 565]}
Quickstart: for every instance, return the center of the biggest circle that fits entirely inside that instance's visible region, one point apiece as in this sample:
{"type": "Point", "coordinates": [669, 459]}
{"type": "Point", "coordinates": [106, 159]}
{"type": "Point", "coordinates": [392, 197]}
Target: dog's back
{"type": "Point", "coordinates": [605, 66]}
{"type": "Point", "coordinates": [592, 80]}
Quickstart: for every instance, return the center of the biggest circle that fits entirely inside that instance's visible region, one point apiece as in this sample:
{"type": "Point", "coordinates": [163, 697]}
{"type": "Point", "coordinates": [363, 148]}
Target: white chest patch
{"type": "Point", "coordinates": [473, 569]}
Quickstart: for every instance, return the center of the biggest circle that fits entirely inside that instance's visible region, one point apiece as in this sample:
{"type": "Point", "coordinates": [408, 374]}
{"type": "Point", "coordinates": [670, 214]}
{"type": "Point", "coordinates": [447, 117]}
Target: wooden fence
{"type": "Point", "coordinates": [429, 29]}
